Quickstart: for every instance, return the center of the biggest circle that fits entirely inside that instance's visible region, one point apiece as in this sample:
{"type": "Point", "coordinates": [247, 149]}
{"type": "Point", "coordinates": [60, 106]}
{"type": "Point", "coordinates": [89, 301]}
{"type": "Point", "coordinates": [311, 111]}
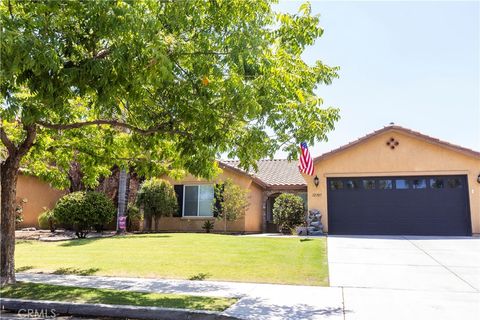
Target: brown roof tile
{"type": "Point", "coordinates": [277, 172]}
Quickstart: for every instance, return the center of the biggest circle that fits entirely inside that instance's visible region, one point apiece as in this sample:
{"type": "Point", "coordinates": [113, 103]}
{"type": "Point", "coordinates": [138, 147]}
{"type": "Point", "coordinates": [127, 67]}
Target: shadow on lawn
{"type": "Point", "coordinates": [149, 235]}
{"type": "Point", "coordinates": [76, 271]}
{"type": "Point", "coordinates": [24, 268]}
{"type": "Point", "coordinates": [79, 242]}
{"type": "Point", "coordinates": [40, 291]}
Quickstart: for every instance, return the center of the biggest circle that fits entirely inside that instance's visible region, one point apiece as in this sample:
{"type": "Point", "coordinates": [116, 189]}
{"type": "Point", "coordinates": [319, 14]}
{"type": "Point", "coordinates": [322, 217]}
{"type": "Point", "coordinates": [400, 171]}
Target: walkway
{"type": "Point", "coordinates": [258, 301]}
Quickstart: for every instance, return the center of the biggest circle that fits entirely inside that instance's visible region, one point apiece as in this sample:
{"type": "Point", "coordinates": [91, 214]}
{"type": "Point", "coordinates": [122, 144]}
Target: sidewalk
{"type": "Point", "coordinates": [258, 301]}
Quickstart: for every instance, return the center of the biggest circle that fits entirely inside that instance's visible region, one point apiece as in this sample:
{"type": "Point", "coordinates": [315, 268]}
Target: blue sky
{"type": "Point", "coordinates": [416, 64]}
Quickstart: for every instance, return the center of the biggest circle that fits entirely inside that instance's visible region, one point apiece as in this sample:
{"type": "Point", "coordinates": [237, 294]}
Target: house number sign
{"type": "Point", "coordinates": [316, 195]}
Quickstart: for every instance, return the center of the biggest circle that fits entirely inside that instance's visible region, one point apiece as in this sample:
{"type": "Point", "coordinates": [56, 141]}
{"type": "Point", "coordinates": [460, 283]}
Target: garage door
{"type": "Point", "coordinates": [420, 205]}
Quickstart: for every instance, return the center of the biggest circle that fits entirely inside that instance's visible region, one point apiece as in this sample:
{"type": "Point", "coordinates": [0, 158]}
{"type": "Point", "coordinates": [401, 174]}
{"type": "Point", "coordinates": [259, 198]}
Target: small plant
{"type": "Point", "coordinates": [157, 198]}
{"type": "Point", "coordinates": [47, 221]}
{"type": "Point", "coordinates": [288, 212]}
{"type": "Point", "coordinates": [84, 211]}
{"type": "Point", "coordinates": [208, 226]}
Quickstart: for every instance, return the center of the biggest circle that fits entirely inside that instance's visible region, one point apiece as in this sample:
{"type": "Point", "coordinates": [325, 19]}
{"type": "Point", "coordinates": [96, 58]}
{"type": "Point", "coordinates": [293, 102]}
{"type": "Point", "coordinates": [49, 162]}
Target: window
{"type": "Point", "coordinates": [352, 184]}
{"type": "Point", "coordinates": [385, 184]}
{"type": "Point", "coordinates": [436, 183]}
{"type": "Point", "coordinates": [198, 201]}
{"type": "Point", "coordinates": [336, 184]}
{"type": "Point", "coordinates": [419, 184]}
{"type": "Point", "coordinates": [402, 184]}
{"type": "Point", "coordinates": [369, 184]}
{"type": "Point", "coordinates": [304, 197]}
{"type": "Point", "coordinates": [454, 183]}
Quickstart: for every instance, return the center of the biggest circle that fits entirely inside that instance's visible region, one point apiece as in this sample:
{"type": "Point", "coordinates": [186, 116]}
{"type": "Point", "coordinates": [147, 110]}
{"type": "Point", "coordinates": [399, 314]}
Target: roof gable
{"type": "Point", "coordinates": [411, 133]}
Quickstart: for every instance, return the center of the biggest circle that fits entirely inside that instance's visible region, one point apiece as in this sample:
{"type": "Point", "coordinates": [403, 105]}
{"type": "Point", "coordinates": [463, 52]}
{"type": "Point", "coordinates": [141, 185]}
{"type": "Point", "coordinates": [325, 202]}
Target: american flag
{"type": "Point", "coordinates": [306, 162]}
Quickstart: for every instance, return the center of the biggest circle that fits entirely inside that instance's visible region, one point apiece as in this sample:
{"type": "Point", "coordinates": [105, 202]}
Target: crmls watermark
{"type": "Point", "coordinates": [38, 313]}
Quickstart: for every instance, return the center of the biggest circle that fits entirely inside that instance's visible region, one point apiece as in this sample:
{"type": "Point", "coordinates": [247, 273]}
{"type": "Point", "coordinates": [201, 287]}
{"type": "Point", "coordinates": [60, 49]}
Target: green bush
{"type": "Point", "coordinates": [157, 198]}
{"type": "Point", "coordinates": [288, 212]}
{"type": "Point", "coordinates": [47, 221]}
{"type": "Point", "coordinates": [84, 211]}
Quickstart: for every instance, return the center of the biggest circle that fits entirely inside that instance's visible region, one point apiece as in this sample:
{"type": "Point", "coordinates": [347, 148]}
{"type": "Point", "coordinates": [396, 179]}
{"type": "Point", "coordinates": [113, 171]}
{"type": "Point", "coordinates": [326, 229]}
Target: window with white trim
{"type": "Point", "coordinates": [198, 200]}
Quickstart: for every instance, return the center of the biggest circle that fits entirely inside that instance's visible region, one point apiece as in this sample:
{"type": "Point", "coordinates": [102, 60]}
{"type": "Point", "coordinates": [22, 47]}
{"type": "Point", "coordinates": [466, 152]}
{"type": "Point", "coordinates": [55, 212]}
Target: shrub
{"type": "Point", "coordinates": [288, 212]}
{"type": "Point", "coordinates": [84, 211]}
{"type": "Point", "coordinates": [134, 218]}
{"type": "Point", "coordinates": [157, 198]}
{"type": "Point", "coordinates": [47, 221]}
{"type": "Point", "coordinates": [208, 226]}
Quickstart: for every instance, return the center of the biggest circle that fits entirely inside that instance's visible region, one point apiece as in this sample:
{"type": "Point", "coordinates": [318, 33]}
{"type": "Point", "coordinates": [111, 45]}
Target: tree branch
{"type": "Point", "coordinates": [7, 142]}
{"type": "Point", "coordinates": [29, 139]}
{"type": "Point", "coordinates": [164, 128]}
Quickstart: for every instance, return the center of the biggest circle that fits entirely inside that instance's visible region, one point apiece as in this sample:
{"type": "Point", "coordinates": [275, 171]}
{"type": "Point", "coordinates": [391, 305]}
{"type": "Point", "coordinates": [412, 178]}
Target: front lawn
{"type": "Point", "coordinates": [182, 256]}
{"type": "Point", "coordinates": [38, 291]}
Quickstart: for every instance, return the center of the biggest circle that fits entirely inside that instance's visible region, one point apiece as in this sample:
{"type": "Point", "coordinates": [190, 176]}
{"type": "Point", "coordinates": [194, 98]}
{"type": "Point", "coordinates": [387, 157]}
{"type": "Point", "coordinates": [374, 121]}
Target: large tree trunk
{"type": "Point", "coordinates": [9, 191]}
{"type": "Point", "coordinates": [9, 175]}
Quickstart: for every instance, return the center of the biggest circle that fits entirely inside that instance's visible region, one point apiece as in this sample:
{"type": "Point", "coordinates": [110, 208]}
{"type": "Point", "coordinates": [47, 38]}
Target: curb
{"type": "Point", "coordinates": [54, 308]}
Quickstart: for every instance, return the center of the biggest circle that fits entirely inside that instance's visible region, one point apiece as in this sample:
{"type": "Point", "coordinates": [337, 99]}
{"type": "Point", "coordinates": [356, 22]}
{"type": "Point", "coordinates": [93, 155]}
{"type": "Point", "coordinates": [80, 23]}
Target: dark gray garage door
{"type": "Point", "coordinates": [420, 205]}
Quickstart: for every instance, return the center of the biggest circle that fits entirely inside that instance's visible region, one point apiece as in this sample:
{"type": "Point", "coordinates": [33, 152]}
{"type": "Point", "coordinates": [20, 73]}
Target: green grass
{"type": "Point", "coordinates": [183, 256]}
{"type": "Point", "coordinates": [37, 291]}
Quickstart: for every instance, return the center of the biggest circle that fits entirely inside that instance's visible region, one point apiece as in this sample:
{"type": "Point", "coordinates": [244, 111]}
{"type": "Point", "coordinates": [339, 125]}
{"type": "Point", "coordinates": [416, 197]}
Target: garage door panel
{"type": "Point", "coordinates": [438, 210]}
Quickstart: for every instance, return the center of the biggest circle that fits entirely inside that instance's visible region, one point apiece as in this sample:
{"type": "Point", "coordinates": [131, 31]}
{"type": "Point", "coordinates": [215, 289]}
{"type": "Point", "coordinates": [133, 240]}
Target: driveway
{"type": "Point", "coordinates": [406, 277]}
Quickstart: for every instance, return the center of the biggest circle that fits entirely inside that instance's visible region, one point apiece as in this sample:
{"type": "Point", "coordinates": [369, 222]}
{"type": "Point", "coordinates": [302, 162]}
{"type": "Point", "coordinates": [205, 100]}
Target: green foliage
{"type": "Point", "coordinates": [157, 198]}
{"type": "Point", "coordinates": [158, 86]}
{"type": "Point", "coordinates": [288, 211]}
{"type": "Point", "coordinates": [84, 211]}
{"type": "Point", "coordinates": [47, 221]}
{"type": "Point", "coordinates": [134, 218]}
{"type": "Point", "coordinates": [231, 201]}
{"type": "Point", "coordinates": [208, 226]}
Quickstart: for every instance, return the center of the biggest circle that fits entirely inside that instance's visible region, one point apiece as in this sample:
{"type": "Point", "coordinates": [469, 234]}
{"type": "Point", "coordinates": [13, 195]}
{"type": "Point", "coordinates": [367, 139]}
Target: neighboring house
{"type": "Point", "coordinates": [393, 181]}
{"type": "Point", "coordinates": [34, 195]}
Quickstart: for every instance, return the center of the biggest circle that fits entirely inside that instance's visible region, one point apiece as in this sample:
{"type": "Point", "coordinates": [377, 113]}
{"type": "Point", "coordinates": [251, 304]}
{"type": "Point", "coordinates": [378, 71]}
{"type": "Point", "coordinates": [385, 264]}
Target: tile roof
{"type": "Point", "coordinates": [276, 172]}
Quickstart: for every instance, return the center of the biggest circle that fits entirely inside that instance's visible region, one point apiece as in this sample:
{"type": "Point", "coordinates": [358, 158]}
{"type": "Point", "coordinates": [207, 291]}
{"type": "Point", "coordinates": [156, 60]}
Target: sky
{"type": "Point", "coordinates": [416, 64]}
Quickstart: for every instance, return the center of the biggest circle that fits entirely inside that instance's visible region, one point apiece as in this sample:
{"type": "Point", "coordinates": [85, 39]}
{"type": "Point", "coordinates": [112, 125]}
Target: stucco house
{"type": "Point", "coordinates": [393, 181]}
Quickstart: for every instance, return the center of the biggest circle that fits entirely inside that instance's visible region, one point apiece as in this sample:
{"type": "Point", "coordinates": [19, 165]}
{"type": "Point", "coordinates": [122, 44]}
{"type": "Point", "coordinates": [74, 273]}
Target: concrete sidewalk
{"type": "Point", "coordinates": [257, 301]}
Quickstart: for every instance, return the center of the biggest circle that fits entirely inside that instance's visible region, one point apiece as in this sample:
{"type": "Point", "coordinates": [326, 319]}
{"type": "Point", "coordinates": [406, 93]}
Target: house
{"type": "Point", "coordinates": [272, 178]}
{"type": "Point", "coordinates": [396, 181]}
{"type": "Point", "coordinates": [393, 181]}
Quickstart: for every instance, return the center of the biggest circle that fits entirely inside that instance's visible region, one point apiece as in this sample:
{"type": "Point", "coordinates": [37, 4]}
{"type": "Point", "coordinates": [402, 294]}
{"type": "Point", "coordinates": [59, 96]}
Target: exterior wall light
{"type": "Point", "coordinates": [316, 181]}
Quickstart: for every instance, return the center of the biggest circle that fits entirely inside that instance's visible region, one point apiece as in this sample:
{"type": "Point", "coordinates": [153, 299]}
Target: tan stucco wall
{"type": "Point", "coordinates": [251, 222]}
{"type": "Point", "coordinates": [38, 195]}
{"type": "Point", "coordinates": [413, 156]}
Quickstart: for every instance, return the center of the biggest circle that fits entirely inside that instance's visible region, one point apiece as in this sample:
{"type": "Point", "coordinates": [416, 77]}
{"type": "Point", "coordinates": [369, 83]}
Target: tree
{"type": "Point", "coordinates": [288, 212]}
{"type": "Point", "coordinates": [157, 86]}
{"type": "Point", "coordinates": [231, 202]}
{"type": "Point", "coordinates": [157, 198]}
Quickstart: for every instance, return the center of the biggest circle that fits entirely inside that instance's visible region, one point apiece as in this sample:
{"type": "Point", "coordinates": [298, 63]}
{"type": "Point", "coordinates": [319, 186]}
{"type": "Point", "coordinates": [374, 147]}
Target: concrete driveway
{"type": "Point", "coordinates": [406, 277]}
